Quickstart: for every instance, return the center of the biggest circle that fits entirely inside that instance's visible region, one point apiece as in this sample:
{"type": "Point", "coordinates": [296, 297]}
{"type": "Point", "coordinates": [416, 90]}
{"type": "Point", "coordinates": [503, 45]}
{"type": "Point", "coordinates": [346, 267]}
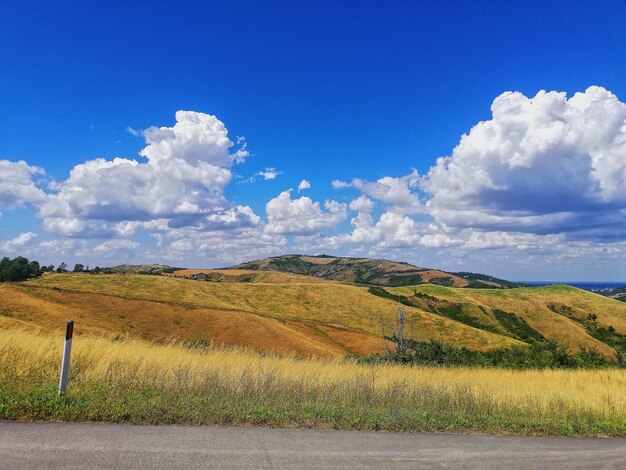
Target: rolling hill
{"type": "Point", "coordinates": [569, 315]}
{"type": "Point", "coordinates": [324, 319]}
{"type": "Point", "coordinates": [304, 315]}
{"type": "Point", "coordinates": [370, 271]}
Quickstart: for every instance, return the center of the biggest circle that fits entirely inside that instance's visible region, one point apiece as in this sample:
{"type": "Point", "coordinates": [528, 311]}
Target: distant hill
{"type": "Point", "coordinates": [483, 281]}
{"type": "Point", "coordinates": [378, 272]}
{"type": "Point", "coordinates": [249, 276]}
{"type": "Point", "coordinates": [618, 294]}
{"type": "Point", "coordinates": [154, 269]}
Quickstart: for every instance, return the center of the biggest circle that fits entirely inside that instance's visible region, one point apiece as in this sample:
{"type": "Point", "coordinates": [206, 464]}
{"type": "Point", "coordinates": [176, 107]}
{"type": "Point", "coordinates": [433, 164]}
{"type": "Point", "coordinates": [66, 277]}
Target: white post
{"type": "Point", "coordinates": [65, 363]}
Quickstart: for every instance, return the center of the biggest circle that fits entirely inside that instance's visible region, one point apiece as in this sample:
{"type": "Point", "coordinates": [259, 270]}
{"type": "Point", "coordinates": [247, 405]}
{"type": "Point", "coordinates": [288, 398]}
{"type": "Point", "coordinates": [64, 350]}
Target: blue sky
{"type": "Point", "coordinates": [322, 91]}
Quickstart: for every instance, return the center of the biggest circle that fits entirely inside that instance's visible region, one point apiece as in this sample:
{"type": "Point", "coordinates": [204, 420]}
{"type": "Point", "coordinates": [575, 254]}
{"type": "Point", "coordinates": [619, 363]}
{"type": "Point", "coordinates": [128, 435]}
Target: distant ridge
{"type": "Point", "coordinates": [378, 272]}
{"type": "Point", "coordinates": [154, 269]}
{"type": "Point", "coordinates": [618, 294]}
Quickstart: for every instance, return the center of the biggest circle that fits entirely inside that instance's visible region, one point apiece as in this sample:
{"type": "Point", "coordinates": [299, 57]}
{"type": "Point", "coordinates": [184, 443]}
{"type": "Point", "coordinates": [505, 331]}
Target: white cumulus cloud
{"type": "Point", "coordinates": [362, 204]}
{"type": "Point", "coordinates": [302, 216]}
{"type": "Point", "coordinates": [543, 165]}
{"type": "Point", "coordinates": [304, 184]}
{"type": "Point", "coordinates": [182, 182]}
{"type": "Point", "coordinates": [392, 230]}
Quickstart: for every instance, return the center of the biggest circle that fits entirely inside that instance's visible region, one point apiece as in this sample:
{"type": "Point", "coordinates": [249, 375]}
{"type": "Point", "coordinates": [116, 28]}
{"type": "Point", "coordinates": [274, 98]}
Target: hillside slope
{"type": "Point", "coordinates": [325, 319]}
{"type": "Point", "coordinates": [290, 313]}
{"type": "Point", "coordinates": [573, 316]}
{"type": "Point", "coordinates": [248, 275]}
{"type": "Point", "coordinates": [370, 271]}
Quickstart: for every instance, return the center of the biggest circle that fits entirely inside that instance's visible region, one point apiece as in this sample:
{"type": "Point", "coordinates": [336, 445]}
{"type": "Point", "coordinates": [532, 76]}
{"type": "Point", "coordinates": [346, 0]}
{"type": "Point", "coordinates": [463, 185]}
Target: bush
{"type": "Point", "coordinates": [539, 355]}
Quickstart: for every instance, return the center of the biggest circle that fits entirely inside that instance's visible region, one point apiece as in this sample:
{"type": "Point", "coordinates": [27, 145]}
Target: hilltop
{"type": "Point", "coordinates": [154, 269]}
{"type": "Point", "coordinates": [378, 272]}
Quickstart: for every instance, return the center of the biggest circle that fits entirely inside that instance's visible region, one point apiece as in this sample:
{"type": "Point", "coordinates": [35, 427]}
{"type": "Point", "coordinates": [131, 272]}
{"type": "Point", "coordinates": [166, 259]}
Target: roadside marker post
{"type": "Point", "coordinates": [67, 349]}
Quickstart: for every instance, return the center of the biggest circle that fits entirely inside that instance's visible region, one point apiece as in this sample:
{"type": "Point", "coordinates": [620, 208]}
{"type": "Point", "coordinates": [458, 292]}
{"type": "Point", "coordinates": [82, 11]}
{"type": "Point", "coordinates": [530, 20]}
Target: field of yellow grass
{"type": "Point", "coordinates": [137, 381]}
{"type": "Point", "coordinates": [537, 306]}
{"type": "Point", "coordinates": [322, 319]}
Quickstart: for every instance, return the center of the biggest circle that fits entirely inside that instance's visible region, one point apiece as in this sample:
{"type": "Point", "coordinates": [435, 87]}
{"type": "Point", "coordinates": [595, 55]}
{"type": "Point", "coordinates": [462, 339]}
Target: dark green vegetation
{"type": "Point", "coordinates": [513, 326]}
{"type": "Point", "coordinates": [607, 334]}
{"type": "Point", "coordinates": [539, 355]}
{"type": "Point", "coordinates": [541, 351]}
{"type": "Point", "coordinates": [18, 269]}
{"type": "Point", "coordinates": [153, 269]}
{"type": "Point", "coordinates": [518, 327]}
{"type": "Point", "coordinates": [380, 292]}
{"type": "Point", "coordinates": [354, 270]}
{"type": "Point", "coordinates": [611, 337]}
{"type": "Point", "coordinates": [442, 281]}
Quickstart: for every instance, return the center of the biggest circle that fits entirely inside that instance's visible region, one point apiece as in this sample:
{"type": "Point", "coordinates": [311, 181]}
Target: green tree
{"type": "Point", "coordinates": [18, 269]}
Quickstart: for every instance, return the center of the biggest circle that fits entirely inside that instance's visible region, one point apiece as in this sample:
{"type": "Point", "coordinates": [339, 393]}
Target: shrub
{"type": "Point", "coordinates": [539, 355]}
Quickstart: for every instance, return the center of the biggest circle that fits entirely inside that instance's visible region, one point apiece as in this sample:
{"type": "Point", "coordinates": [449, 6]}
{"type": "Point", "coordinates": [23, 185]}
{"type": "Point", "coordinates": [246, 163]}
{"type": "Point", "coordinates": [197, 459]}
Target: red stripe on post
{"type": "Point", "coordinates": [69, 329]}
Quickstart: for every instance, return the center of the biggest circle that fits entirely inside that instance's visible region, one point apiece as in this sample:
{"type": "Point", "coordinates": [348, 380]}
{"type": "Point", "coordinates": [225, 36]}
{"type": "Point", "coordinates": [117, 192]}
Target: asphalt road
{"type": "Point", "coordinates": [95, 445]}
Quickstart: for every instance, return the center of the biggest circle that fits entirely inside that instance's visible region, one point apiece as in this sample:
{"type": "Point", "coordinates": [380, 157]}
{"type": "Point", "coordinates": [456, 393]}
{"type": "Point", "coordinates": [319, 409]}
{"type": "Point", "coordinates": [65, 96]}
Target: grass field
{"type": "Point", "coordinates": [141, 382]}
{"type": "Point", "coordinates": [323, 319]}
{"type": "Point", "coordinates": [557, 312]}
{"type": "Point", "coordinates": [288, 313]}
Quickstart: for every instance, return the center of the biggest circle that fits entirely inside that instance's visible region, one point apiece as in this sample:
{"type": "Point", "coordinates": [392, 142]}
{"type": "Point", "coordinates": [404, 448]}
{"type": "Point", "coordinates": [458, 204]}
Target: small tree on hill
{"type": "Point", "coordinates": [394, 333]}
{"type": "Point", "coordinates": [400, 332]}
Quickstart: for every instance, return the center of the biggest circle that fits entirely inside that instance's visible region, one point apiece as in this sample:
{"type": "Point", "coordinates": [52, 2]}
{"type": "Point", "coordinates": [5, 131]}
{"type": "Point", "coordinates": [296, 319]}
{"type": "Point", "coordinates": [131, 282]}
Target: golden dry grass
{"type": "Point", "coordinates": [324, 319]}
{"type": "Point", "coordinates": [532, 304]}
{"type": "Point", "coordinates": [527, 396]}
{"type": "Point", "coordinates": [334, 318]}
{"type": "Point", "coordinates": [269, 277]}
{"type": "Point", "coordinates": [161, 321]}
{"type": "Point", "coordinates": [434, 274]}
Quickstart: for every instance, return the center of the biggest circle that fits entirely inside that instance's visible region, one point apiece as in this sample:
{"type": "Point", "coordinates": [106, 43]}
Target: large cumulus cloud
{"type": "Point", "coordinates": [181, 182]}
{"type": "Point", "coordinates": [542, 165]}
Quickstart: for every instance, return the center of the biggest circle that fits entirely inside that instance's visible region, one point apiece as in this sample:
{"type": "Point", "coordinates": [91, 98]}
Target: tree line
{"type": "Point", "coordinates": [18, 269]}
{"type": "Point", "coordinates": [21, 269]}
{"type": "Point", "coordinates": [548, 354]}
